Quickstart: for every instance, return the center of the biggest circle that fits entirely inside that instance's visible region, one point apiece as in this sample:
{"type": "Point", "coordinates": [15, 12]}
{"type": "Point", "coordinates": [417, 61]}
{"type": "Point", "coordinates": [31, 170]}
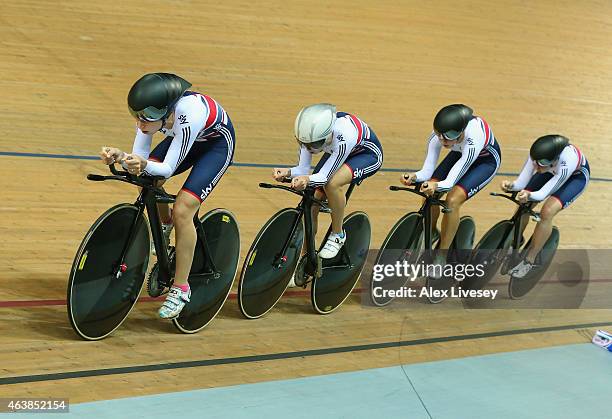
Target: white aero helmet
{"type": "Point", "coordinates": [314, 124]}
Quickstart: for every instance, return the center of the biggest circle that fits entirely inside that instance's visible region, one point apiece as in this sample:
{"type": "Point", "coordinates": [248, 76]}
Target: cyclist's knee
{"type": "Point", "coordinates": [455, 200]}
{"type": "Point", "coordinates": [331, 186]}
{"type": "Point", "coordinates": [342, 177]}
{"type": "Point", "coordinates": [548, 212]}
{"type": "Point", "coordinates": [184, 209]}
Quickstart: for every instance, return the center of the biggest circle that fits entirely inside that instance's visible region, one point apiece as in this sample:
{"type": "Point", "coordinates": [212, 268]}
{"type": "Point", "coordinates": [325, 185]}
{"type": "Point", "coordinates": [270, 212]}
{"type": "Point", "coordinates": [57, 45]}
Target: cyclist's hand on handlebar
{"type": "Point", "coordinates": [523, 196]}
{"type": "Point", "coordinates": [408, 178]}
{"type": "Point", "coordinates": [429, 188]}
{"type": "Point", "coordinates": [299, 183]}
{"type": "Point", "coordinates": [135, 164]}
{"type": "Point", "coordinates": [280, 173]}
{"type": "Point", "coordinates": [111, 155]}
{"type": "Point", "coordinates": [506, 186]}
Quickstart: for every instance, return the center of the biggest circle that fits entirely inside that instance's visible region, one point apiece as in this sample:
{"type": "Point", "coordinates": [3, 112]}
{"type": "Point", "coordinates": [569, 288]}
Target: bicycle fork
{"type": "Point", "coordinates": [121, 267]}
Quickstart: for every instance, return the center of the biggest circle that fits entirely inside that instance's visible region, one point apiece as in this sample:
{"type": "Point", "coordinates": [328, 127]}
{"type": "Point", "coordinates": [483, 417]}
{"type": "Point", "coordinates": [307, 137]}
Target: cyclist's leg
{"type": "Point", "coordinates": [450, 221]}
{"type": "Point", "coordinates": [480, 173]}
{"type": "Point", "coordinates": [434, 211]}
{"type": "Point", "coordinates": [535, 183]}
{"type": "Point", "coordinates": [319, 194]}
{"type": "Point", "coordinates": [559, 200]}
{"type": "Point", "coordinates": [440, 173]}
{"type": "Point", "coordinates": [543, 228]}
{"type": "Point", "coordinates": [157, 155]}
{"type": "Point", "coordinates": [335, 196]}
{"type": "Point", "coordinates": [210, 161]}
{"type": "Point", "coordinates": [165, 213]}
{"type": "Point", "coordinates": [215, 156]}
{"type": "Point", "coordinates": [355, 169]}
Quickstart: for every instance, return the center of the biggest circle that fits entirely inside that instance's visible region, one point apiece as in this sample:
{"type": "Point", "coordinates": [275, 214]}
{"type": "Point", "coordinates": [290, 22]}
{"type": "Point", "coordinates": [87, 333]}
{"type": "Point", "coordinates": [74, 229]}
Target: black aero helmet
{"type": "Point", "coordinates": [545, 150]}
{"type": "Point", "coordinates": [451, 120]}
{"type": "Point", "coordinates": [154, 95]}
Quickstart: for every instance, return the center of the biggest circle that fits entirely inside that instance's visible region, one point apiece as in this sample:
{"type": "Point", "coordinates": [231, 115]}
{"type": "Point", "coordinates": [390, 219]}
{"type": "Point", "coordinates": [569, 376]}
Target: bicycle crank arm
{"type": "Point", "coordinates": [206, 275]}
{"type": "Point", "coordinates": [340, 265]}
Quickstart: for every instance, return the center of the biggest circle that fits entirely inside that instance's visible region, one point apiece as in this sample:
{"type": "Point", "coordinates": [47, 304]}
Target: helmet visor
{"type": "Point", "coordinates": [450, 135]}
{"type": "Point", "coordinates": [314, 146]}
{"type": "Point", "coordinates": [150, 113]}
{"type": "Point", "coordinates": [544, 162]}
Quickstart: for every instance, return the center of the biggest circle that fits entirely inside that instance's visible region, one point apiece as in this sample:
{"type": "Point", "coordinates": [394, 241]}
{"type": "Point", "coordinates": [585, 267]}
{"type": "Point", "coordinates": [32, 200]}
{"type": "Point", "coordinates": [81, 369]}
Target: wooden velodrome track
{"type": "Point", "coordinates": [530, 69]}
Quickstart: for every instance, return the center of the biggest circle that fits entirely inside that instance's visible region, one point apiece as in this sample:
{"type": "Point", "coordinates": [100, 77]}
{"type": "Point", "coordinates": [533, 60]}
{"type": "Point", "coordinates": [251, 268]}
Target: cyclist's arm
{"type": "Point", "coordinates": [188, 121]}
{"type": "Point", "coordinates": [340, 151]}
{"type": "Point", "coordinates": [433, 152]}
{"type": "Point", "coordinates": [142, 144]}
{"type": "Point", "coordinates": [473, 146]}
{"type": "Point", "coordinates": [568, 161]}
{"type": "Point", "coordinates": [141, 147]}
{"type": "Point", "coordinates": [303, 167]}
{"type": "Point", "coordinates": [523, 179]}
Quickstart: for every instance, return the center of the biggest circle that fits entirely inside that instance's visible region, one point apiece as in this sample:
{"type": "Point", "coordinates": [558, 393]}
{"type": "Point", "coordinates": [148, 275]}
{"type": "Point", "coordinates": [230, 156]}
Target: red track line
{"type": "Point", "coordinates": [232, 296]}
{"type": "Point", "coordinates": [43, 303]}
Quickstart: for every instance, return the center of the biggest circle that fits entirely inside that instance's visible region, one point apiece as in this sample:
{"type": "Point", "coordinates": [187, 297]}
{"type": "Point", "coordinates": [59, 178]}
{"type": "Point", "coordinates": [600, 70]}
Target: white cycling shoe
{"type": "Point", "coordinates": [174, 304]}
{"type": "Point", "coordinates": [522, 269]}
{"type": "Point", "coordinates": [333, 245]}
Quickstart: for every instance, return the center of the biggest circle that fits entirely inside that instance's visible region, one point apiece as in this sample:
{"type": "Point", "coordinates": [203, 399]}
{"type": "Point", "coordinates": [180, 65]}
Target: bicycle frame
{"type": "Point", "coordinates": [516, 219]}
{"type": "Point", "coordinates": [149, 197]}
{"type": "Point", "coordinates": [304, 209]}
{"type": "Point", "coordinates": [425, 210]}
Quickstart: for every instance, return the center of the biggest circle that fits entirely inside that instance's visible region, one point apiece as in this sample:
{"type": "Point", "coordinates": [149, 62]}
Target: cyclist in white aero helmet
{"type": "Point", "coordinates": [352, 153]}
{"type": "Point", "coordinates": [314, 124]}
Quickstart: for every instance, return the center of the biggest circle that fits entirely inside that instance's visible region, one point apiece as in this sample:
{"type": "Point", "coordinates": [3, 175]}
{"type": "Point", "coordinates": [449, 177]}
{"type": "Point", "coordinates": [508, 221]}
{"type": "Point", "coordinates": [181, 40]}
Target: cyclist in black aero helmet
{"type": "Point", "coordinates": [452, 120]}
{"type": "Point", "coordinates": [471, 164]}
{"type": "Point", "coordinates": [153, 96]}
{"type": "Point", "coordinates": [199, 135]}
{"type": "Point", "coordinates": [557, 170]}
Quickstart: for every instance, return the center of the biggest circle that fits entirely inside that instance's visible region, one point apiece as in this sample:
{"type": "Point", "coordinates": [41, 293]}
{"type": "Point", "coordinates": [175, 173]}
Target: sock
{"type": "Point", "coordinates": [183, 288]}
{"type": "Point", "coordinates": [340, 235]}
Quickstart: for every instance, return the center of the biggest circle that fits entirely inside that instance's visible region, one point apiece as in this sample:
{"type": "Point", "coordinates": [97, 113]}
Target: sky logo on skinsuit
{"type": "Point", "coordinates": [206, 191]}
{"type": "Point", "coordinates": [357, 173]}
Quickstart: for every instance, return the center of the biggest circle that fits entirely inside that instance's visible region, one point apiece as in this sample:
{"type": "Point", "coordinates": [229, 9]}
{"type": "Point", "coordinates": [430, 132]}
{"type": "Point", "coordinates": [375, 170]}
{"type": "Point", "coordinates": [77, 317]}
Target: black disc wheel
{"type": "Point", "coordinates": [266, 273]}
{"type": "Point", "coordinates": [489, 254]}
{"type": "Point", "coordinates": [340, 274]}
{"type": "Point", "coordinates": [439, 289]}
{"type": "Point", "coordinates": [403, 243]}
{"type": "Point", "coordinates": [103, 287]}
{"type": "Point", "coordinates": [519, 287]}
